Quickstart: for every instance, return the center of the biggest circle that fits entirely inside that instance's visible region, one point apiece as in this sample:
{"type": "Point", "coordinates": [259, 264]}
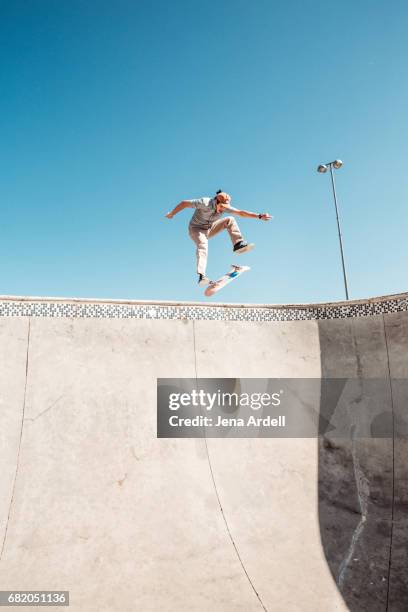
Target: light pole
{"type": "Point", "coordinates": [337, 163]}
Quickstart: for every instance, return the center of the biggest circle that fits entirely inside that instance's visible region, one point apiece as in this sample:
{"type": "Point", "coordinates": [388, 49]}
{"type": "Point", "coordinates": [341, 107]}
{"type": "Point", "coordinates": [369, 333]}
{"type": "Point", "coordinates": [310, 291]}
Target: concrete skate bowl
{"type": "Point", "coordinates": [94, 503]}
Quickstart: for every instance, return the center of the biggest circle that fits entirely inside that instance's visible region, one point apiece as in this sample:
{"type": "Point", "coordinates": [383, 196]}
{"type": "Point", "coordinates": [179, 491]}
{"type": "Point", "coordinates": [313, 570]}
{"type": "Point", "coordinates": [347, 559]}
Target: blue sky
{"type": "Point", "coordinates": [113, 112]}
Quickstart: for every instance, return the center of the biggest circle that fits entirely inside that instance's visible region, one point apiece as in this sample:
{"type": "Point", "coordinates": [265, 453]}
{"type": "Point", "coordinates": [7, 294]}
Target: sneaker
{"type": "Point", "coordinates": [203, 280]}
{"type": "Point", "coordinates": [242, 247]}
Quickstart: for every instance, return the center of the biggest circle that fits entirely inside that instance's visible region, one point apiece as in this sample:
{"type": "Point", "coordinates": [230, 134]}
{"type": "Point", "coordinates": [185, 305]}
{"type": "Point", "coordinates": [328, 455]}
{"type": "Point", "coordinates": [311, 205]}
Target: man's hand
{"type": "Point", "coordinates": [265, 216]}
{"type": "Point", "coordinates": [170, 215]}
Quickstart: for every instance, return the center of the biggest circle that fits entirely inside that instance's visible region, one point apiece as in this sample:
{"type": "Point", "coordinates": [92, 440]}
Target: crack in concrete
{"type": "Point", "coordinates": [363, 493]}
{"type": "Point", "coordinates": [3, 546]}
{"type": "Point", "coordinates": [218, 496]}
{"type": "Point", "coordinates": [393, 467]}
{"type": "Point", "coordinates": [362, 483]}
{"type": "Point", "coordinates": [44, 411]}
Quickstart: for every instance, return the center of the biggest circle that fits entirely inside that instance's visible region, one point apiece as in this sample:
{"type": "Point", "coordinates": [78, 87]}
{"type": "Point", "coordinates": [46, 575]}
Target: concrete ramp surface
{"type": "Point", "coordinates": [93, 503]}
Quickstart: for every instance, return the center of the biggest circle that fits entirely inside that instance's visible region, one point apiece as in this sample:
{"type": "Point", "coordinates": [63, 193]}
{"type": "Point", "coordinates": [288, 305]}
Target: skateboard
{"type": "Point", "coordinates": [215, 286]}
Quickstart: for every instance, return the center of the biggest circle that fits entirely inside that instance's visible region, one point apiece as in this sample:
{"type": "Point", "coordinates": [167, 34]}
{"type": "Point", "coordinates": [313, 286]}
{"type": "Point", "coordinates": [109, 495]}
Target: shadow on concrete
{"type": "Point", "coordinates": [363, 479]}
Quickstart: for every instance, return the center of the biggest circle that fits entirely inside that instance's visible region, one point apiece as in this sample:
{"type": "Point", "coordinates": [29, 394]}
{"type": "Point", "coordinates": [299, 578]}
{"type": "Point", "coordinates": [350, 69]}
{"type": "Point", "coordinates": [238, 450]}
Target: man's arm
{"type": "Point", "coordinates": [184, 204]}
{"type": "Point", "coordinates": [246, 213]}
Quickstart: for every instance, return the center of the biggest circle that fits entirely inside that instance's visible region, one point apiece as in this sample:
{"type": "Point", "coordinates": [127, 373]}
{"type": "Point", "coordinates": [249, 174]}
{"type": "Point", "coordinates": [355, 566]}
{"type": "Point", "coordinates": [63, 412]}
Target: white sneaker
{"type": "Point", "coordinates": [243, 247]}
{"type": "Point", "coordinates": [203, 280]}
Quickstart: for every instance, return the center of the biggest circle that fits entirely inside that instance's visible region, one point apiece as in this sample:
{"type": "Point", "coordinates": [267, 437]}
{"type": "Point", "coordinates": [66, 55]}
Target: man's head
{"type": "Point", "coordinates": [222, 197]}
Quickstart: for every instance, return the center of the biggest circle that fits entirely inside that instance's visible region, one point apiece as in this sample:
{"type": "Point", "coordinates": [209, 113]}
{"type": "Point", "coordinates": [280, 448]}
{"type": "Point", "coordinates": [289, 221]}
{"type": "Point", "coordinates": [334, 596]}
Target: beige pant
{"type": "Point", "coordinates": [201, 236]}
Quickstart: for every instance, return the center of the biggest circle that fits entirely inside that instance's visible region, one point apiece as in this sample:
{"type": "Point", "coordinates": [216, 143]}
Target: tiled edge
{"type": "Point", "coordinates": [117, 310]}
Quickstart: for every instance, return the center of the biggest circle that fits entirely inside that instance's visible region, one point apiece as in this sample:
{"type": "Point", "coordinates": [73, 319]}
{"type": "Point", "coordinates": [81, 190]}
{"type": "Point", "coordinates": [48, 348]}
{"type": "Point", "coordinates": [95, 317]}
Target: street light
{"type": "Point", "coordinates": [322, 168]}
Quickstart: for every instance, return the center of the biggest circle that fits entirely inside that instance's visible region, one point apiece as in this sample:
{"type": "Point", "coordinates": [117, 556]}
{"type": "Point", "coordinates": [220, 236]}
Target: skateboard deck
{"type": "Point", "coordinates": [215, 286]}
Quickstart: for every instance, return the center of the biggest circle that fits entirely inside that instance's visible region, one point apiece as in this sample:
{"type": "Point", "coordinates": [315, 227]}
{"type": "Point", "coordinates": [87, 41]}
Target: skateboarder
{"type": "Point", "coordinates": [206, 222]}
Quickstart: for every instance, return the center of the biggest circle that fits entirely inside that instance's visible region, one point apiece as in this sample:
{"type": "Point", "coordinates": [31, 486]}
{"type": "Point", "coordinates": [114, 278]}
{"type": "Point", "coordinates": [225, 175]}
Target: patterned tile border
{"type": "Point", "coordinates": [110, 309]}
